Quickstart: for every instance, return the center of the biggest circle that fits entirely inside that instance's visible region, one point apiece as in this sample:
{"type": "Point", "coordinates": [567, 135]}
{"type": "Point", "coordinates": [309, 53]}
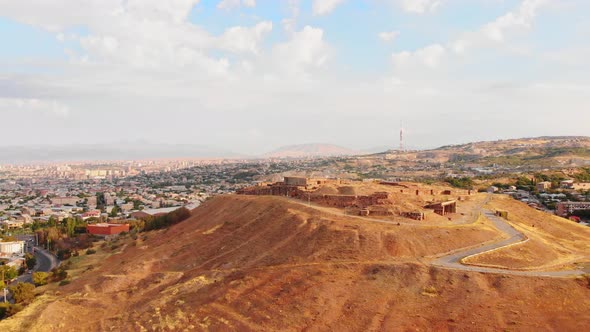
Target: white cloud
{"type": "Point", "coordinates": [233, 4]}
{"type": "Point", "coordinates": [493, 33]}
{"type": "Point", "coordinates": [305, 50]}
{"type": "Point", "coordinates": [290, 23]}
{"type": "Point", "coordinates": [429, 56]}
{"type": "Point", "coordinates": [521, 18]}
{"type": "Point", "coordinates": [420, 6]}
{"type": "Point", "coordinates": [501, 29]}
{"type": "Point", "coordinates": [242, 39]}
{"type": "Point", "coordinates": [388, 36]}
{"type": "Point", "coordinates": [323, 7]}
{"type": "Point", "coordinates": [50, 107]}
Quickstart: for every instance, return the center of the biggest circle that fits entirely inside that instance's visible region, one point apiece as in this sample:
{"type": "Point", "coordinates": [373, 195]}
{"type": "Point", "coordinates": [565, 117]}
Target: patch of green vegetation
{"type": "Point", "coordinates": [584, 175]}
{"type": "Point", "coordinates": [463, 183]}
{"type": "Point", "coordinates": [539, 157]}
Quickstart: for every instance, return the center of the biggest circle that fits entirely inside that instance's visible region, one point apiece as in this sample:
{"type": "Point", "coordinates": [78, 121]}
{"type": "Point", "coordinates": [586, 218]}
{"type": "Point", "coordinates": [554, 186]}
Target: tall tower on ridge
{"type": "Point", "coordinates": [401, 137]}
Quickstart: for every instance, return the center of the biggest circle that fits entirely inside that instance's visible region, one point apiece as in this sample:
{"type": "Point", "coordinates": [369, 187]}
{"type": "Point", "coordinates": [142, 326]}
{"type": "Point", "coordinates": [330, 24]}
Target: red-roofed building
{"type": "Point", "coordinates": [104, 229]}
{"type": "Point", "coordinates": [91, 214]}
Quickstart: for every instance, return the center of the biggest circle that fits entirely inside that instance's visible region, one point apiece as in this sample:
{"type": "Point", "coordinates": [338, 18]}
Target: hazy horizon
{"type": "Point", "coordinates": [252, 76]}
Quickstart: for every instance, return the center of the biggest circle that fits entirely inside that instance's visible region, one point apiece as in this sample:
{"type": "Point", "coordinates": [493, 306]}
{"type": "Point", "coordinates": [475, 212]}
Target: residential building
{"type": "Point", "coordinates": [104, 229]}
{"type": "Point", "coordinates": [565, 209]}
{"type": "Point", "coordinates": [12, 248]}
{"type": "Point", "coordinates": [543, 186]}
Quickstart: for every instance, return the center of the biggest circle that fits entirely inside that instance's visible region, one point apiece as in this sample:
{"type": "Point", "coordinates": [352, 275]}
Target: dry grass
{"type": "Point", "coordinates": [271, 264]}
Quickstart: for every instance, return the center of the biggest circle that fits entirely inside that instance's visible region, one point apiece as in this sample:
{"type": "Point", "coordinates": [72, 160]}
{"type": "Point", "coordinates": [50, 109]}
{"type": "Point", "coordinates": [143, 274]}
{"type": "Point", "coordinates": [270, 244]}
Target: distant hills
{"type": "Point", "coordinates": [540, 151]}
{"type": "Point", "coordinates": [549, 151]}
{"type": "Point", "coordinates": [115, 151]}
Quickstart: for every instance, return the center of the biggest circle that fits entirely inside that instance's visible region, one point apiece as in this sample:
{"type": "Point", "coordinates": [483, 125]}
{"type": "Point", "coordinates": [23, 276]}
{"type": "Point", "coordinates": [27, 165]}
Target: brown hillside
{"type": "Point", "coordinates": [553, 241]}
{"type": "Point", "coordinates": [266, 263]}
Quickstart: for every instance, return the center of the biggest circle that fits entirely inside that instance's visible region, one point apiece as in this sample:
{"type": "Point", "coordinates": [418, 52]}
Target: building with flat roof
{"type": "Point", "coordinates": [104, 229]}
{"type": "Point", "coordinates": [543, 186]}
{"type": "Point", "coordinates": [12, 248]}
{"type": "Point", "coordinates": [565, 209]}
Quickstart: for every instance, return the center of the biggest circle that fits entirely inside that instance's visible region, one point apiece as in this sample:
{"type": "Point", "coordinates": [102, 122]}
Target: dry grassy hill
{"type": "Point", "coordinates": [271, 264]}
{"type": "Point", "coordinates": [539, 152]}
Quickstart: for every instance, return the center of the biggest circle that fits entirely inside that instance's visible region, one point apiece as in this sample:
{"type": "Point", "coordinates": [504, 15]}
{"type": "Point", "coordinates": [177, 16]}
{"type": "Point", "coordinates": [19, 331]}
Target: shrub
{"type": "Point", "coordinates": [64, 282]}
{"type": "Point", "coordinates": [40, 278]}
{"type": "Point", "coordinates": [430, 291]}
{"type": "Point", "coordinates": [23, 292]}
{"type": "Point", "coordinates": [90, 252]}
{"type": "Point", "coordinates": [58, 274]}
{"type": "Point", "coordinates": [8, 309]}
{"type": "Point", "coordinates": [64, 254]}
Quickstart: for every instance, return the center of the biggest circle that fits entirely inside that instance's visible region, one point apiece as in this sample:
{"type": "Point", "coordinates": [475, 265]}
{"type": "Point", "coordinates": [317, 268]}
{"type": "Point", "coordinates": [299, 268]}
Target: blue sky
{"type": "Point", "coordinates": [242, 73]}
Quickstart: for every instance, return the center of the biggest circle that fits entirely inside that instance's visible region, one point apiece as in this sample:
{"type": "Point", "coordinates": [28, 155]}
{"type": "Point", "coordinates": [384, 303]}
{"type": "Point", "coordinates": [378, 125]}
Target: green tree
{"type": "Point", "coordinates": [31, 261]}
{"type": "Point", "coordinates": [52, 236]}
{"type": "Point", "coordinates": [115, 211]}
{"type": "Point", "coordinates": [40, 278]}
{"type": "Point", "coordinates": [52, 222]}
{"type": "Point", "coordinates": [70, 227]}
{"type": "Point", "coordinates": [8, 272]}
{"type": "Point", "coordinates": [23, 292]}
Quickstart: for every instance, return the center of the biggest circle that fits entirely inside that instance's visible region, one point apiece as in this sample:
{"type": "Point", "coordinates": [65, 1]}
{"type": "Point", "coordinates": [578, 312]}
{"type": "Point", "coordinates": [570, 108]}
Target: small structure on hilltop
{"type": "Point", "coordinates": [502, 214]}
{"type": "Point", "coordinates": [414, 215]}
{"type": "Point", "coordinates": [291, 186]}
{"type": "Point", "coordinates": [443, 208]}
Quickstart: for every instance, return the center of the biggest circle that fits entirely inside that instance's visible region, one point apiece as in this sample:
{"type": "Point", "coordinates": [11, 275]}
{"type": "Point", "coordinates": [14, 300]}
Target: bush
{"type": "Point", "coordinates": [8, 309]}
{"type": "Point", "coordinates": [23, 292]}
{"type": "Point", "coordinates": [64, 282]}
{"type": "Point", "coordinates": [40, 278]}
{"type": "Point", "coordinates": [90, 252]}
{"type": "Point", "coordinates": [64, 254]}
{"type": "Point", "coordinates": [58, 274]}
{"type": "Point", "coordinates": [463, 183]}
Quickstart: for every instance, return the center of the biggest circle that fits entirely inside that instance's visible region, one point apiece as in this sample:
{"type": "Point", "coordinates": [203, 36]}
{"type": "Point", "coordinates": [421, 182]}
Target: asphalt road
{"type": "Point", "coordinates": [453, 261]}
{"type": "Point", "coordinates": [45, 260]}
{"type": "Point", "coordinates": [45, 263]}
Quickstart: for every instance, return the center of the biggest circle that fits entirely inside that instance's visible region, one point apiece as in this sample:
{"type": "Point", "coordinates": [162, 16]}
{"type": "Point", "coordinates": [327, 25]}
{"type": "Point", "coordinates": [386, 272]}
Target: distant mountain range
{"type": "Point", "coordinates": [115, 151]}
{"type": "Point", "coordinates": [549, 150]}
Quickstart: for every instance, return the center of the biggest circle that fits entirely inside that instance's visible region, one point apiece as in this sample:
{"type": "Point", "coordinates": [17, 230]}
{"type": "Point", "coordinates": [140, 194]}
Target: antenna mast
{"type": "Point", "coordinates": [401, 137]}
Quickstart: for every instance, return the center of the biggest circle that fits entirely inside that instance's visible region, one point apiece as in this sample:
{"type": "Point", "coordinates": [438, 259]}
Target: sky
{"type": "Point", "coordinates": [252, 75]}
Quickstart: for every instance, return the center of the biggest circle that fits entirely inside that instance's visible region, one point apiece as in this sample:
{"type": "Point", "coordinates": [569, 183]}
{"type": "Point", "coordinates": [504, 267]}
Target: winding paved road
{"type": "Point", "coordinates": [453, 260]}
